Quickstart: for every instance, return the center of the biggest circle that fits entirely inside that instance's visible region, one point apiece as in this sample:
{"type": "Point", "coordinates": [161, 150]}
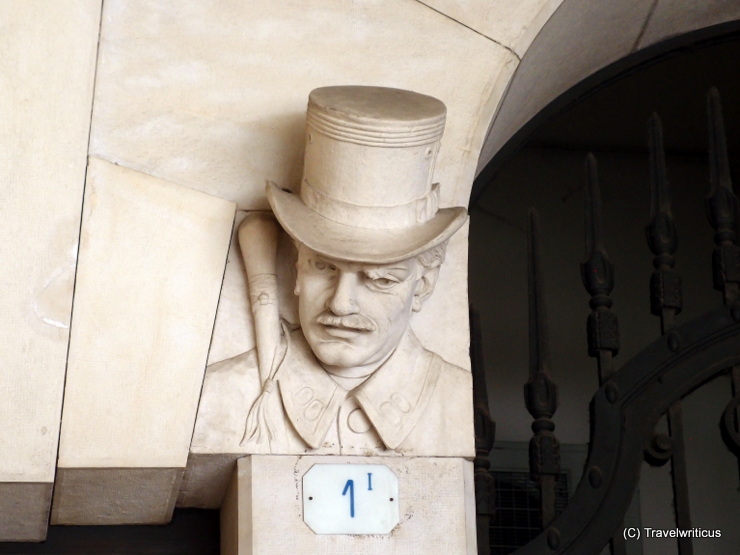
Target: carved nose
{"type": "Point", "coordinates": [343, 301]}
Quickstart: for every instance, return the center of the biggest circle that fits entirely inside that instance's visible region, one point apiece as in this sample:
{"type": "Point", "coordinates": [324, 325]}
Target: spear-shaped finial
{"type": "Point", "coordinates": [540, 392]}
{"type": "Point", "coordinates": [539, 348]}
{"type": "Point", "coordinates": [594, 226]}
{"type": "Point", "coordinates": [665, 284]}
{"type": "Point", "coordinates": [719, 167]}
{"type": "Point", "coordinates": [597, 273]}
{"type": "Point", "coordinates": [722, 206]}
{"type": "Point", "coordinates": [666, 302]}
{"type": "Point", "coordinates": [660, 200]}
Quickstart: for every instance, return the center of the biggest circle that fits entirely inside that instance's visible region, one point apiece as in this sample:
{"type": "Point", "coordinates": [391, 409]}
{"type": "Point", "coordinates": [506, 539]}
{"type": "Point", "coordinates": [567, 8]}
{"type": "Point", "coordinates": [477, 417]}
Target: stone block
{"type": "Point", "coordinates": [115, 495]}
{"type": "Point", "coordinates": [512, 23]}
{"type": "Point", "coordinates": [152, 259]}
{"type": "Point", "coordinates": [437, 508]}
{"type": "Point", "coordinates": [47, 63]}
{"type": "Point", "coordinates": [24, 510]}
{"type": "Point", "coordinates": [196, 94]}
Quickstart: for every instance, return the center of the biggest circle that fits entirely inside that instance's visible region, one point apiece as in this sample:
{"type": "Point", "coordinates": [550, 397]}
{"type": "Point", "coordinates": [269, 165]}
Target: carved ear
{"type": "Point", "coordinates": [297, 266]}
{"type": "Point", "coordinates": [298, 246]}
{"type": "Point", "coordinates": [424, 288]}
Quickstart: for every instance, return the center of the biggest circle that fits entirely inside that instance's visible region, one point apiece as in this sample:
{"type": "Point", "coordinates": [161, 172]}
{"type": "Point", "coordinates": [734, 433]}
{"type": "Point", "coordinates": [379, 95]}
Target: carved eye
{"type": "Point", "coordinates": [323, 266]}
{"type": "Point", "coordinates": [383, 283]}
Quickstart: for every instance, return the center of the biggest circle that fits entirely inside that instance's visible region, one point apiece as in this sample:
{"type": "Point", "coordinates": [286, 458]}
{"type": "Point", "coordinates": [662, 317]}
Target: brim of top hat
{"type": "Point", "coordinates": [343, 242]}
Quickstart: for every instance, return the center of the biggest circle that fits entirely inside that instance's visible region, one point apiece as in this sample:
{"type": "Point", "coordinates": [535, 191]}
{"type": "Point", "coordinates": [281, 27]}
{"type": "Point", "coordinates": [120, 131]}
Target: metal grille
{"type": "Point", "coordinates": [517, 517]}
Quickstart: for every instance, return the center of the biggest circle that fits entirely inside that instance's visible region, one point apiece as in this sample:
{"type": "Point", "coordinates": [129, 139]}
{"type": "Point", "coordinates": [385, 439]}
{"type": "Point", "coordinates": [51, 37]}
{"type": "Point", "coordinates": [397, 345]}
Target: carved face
{"type": "Point", "coordinates": [353, 315]}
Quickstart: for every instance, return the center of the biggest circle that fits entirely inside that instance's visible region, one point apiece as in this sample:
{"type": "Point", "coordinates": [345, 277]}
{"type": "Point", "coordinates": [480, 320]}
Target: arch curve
{"type": "Point", "coordinates": [585, 44]}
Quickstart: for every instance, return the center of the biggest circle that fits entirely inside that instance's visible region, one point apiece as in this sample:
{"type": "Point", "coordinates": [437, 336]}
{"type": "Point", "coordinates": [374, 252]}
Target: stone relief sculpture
{"type": "Point", "coordinates": [370, 239]}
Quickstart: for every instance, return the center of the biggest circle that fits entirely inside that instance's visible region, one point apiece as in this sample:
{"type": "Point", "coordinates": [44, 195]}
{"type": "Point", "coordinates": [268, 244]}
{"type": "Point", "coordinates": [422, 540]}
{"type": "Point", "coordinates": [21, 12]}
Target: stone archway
{"type": "Point", "coordinates": [523, 108]}
{"type": "Point", "coordinates": [585, 43]}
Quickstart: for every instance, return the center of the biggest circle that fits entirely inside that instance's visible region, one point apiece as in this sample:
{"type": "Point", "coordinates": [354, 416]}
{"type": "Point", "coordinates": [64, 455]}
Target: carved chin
{"type": "Point", "coordinates": [337, 353]}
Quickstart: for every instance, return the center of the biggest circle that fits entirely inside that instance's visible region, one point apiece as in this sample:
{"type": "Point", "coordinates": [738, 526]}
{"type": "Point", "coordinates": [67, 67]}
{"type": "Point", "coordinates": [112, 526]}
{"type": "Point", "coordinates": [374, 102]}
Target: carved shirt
{"type": "Point", "coordinates": [415, 404]}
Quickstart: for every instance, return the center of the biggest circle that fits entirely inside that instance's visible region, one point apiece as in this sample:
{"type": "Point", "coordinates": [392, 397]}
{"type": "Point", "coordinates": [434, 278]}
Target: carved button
{"type": "Point", "coordinates": [391, 413]}
{"type": "Point", "coordinates": [358, 421]}
{"type": "Point", "coordinates": [313, 410]}
{"type": "Point", "coordinates": [401, 402]}
{"type": "Point", "coordinates": [264, 299]}
{"type": "Point", "coordinates": [304, 396]}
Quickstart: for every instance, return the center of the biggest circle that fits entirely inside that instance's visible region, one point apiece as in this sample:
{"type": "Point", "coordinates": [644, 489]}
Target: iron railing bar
{"type": "Point", "coordinates": [597, 273]}
{"type": "Point", "coordinates": [735, 384]}
{"type": "Point", "coordinates": [665, 283]}
{"type": "Point", "coordinates": [680, 477]}
{"type": "Point", "coordinates": [722, 206]}
{"type": "Point", "coordinates": [666, 300]}
{"type": "Point", "coordinates": [540, 392]}
{"type": "Point", "coordinates": [722, 212]}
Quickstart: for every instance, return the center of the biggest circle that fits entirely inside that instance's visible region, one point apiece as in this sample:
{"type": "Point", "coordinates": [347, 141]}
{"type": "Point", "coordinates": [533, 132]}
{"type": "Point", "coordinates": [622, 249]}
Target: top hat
{"type": "Point", "coordinates": [367, 192]}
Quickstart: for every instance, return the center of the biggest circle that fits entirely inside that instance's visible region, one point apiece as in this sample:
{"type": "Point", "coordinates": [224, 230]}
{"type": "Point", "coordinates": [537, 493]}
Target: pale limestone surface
{"type": "Point", "coordinates": [511, 23]}
{"type": "Point", "coordinates": [47, 64]}
{"type": "Point", "coordinates": [674, 17]}
{"type": "Point", "coordinates": [580, 38]}
{"type": "Point", "coordinates": [353, 379]}
{"type": "Point", "coordinates": [196, 93]}
{"type": "Point", "coordinates": [233, 333]}
{"type": "Point", "coordinates": [152, 258]}
{"type": "Point", "coordinates": [111, 496]}
{"type": "Point", "coordinates": [367, 208]}
{"type": "Point", "coordinates": [434, 399]}
{"type": "Point", "coordinates": [436, 501]}
{"type": "Point", "coordinates": [24, 510]}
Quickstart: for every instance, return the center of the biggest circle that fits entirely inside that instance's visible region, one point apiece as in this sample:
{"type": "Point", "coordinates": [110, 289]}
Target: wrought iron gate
{"type": "Point", "coordinates": [629, 402]}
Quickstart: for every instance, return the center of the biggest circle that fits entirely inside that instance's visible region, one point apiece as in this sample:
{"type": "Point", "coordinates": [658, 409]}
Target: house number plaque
{"type": "Point", "coordinates": [350, 499]}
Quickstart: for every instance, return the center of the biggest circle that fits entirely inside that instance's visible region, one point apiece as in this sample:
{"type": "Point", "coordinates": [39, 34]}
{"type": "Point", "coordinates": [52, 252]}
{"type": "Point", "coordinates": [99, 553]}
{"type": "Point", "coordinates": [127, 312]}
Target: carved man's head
{"type": "Point", "coordinates": [353, 314]}
{"type": "Point", "coordinates": [370, 232]}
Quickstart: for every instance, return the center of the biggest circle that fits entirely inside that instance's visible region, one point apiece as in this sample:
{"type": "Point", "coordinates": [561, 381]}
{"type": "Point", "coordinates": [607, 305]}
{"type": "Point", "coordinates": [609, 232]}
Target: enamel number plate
{"type": "Point", "coordinates": [350, 499]}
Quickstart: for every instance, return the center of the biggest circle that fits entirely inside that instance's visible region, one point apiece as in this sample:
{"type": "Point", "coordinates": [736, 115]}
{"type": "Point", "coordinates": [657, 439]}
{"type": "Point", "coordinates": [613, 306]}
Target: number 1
{"type": "Point", "coordinates": [350, 485]}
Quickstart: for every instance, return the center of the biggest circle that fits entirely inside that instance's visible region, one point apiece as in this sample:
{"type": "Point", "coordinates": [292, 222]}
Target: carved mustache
{"type": "Point", "coordinates": [351, 321]}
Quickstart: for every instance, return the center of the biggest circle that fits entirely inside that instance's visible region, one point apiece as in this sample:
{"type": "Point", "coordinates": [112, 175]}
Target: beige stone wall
{"type": "Point", "coordinates": [167, 116]}
{"type": "Point", "coordinates": [142, 146]}
{"type": "Point", "coordinates": [46, 84]}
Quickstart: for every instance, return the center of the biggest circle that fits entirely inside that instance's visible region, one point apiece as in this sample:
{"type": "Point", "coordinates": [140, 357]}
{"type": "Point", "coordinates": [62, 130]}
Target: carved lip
{"type": "Point", "coordinates": [343, 332]}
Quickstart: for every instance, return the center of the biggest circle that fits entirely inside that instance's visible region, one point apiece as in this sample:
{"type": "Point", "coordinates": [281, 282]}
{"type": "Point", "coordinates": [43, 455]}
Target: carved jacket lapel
{"type": "Point", "coordinates": [310, 397]}
{"type": "Point", "coordinates": [394, 398]}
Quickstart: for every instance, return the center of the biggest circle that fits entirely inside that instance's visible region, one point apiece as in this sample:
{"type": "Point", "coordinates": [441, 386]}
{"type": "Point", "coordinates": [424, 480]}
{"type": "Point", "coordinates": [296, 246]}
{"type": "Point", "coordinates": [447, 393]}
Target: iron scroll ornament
{"type": "Point", "coordinates": [625, 411]}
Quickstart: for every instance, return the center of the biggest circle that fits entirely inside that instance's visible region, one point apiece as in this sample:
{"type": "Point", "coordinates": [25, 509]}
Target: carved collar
{"type": "Point", "coordinates": [394, 397]}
